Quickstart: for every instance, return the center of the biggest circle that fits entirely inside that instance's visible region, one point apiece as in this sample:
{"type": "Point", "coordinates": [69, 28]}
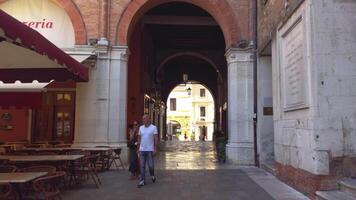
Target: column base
{"type": "Point", "coordinates": [240, 153]}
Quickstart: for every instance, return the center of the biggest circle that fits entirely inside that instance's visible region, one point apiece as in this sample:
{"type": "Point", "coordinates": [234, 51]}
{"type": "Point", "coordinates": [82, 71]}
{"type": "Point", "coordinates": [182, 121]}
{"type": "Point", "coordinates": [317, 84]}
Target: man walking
{"type": "Point", "coordinates": [147, 141]}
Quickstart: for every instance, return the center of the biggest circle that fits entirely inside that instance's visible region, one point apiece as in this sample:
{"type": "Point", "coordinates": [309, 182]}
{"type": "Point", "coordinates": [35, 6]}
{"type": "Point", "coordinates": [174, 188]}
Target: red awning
{"type": "Point", "coordinates": [26, 55]}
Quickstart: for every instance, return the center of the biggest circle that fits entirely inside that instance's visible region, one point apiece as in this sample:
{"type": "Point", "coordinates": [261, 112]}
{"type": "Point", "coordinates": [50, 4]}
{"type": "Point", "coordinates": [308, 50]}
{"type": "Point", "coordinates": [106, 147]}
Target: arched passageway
{"type": "Point", "coordinates": [162, 52]}
{"type": "Point", "coordinates": [169, 40]}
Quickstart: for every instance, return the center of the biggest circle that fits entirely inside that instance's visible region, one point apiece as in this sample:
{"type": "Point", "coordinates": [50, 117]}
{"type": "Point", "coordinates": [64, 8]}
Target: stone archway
{"type": "Point", "coordinates": [75, 16]}
{"type": "Point", "coordinates": [222, 13]}
{"type": "Point", "coordinates": [240, 85]}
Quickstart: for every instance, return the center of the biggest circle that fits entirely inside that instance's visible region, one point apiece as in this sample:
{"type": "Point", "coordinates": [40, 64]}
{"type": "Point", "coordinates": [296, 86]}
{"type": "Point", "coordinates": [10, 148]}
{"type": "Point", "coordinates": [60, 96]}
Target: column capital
{"type": "Point", "coordinates": [237, 55]}
{"type": "Point", "coordinates": [120, 53]}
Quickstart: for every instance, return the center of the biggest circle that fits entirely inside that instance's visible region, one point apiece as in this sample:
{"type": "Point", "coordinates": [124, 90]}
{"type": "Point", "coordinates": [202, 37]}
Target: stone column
{"type": "Point", "coordinates": [118, 96]}
{"type": "Point", "coordinates": [240, 149]}
{"type": "Point", "coordinates": [91, 114]}
{"type": "Point", "coordinates": [101, 103]}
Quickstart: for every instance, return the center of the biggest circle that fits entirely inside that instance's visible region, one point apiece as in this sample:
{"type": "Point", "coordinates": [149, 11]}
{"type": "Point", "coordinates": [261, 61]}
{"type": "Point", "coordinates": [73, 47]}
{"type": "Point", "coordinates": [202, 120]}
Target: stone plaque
{"type": "Point", "coordinates": [294, 66]}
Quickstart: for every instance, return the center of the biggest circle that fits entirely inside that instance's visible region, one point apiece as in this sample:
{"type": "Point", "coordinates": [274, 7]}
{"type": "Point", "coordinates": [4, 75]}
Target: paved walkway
{"type": "Point", "coordinates": [189, 170]}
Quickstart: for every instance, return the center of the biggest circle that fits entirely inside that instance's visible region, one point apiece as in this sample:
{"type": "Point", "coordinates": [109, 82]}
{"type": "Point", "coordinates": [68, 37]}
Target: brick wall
{"type": "Point", "coordinates": [317, 143]}
{"type": "Point", "coordinates": [234, 17]}
{"type": "Point", "coordinates": [270, 15]}
{"type": "Point", "coordinates": [304, 181]}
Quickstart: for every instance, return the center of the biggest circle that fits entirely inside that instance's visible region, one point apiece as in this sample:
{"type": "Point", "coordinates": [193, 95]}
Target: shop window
{"type": "Point", "coordinates": [64, 98]}
{"type": "Point", "coordinates": [66, 124]}
{"type": "Point", "coordinates": [67, 97]}
{"type": "Point", "coordinates": [59, 130]}
{"type": "Point", "coordinates": [59, 96]}
{"type": "Point", "coordinates": [63, 124]}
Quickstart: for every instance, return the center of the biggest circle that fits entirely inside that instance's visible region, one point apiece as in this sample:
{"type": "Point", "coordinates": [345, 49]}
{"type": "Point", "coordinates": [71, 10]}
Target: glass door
{"type": "Point", "coordinates": [64, 121]}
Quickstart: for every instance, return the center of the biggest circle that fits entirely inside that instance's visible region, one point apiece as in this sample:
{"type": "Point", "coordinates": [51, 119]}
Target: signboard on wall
{"type": "Point", "coordinates": [293, 62]}
{"type": "Point", "coordinates": [44, 16]}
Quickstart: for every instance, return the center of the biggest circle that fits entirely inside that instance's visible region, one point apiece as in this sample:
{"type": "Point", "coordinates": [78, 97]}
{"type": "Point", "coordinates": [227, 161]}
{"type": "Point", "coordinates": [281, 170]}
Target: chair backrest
{"type": "Point", "coordinates": [40, 168]}
{"type": "Point", "coordinates": [117, 151]}
{"type": "Point", "coordinates": [7, 168]}
{"type": "Point", "coordinates": [76, 152]}
{"type": "Point", "coordinates": [41, 184]}
{"type": "Point", "coordinates": [91, 160]}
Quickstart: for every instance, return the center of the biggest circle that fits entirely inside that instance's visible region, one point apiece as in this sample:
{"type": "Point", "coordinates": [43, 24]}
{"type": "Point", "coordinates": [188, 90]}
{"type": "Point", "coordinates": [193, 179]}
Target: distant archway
{"type": "Point", "coordinates": [191, 105]}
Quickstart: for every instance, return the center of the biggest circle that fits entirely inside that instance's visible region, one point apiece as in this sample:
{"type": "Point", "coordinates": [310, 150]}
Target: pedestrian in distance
{"type": "Point", "coordinates": [147, 142]}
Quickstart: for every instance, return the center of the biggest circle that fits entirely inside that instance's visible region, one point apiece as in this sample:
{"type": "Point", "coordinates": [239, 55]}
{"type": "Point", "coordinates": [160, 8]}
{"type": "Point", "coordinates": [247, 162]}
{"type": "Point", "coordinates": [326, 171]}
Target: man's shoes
{"type": "Point", "coordinates": [141, 184]}
{"type": "Point", "coordinates": [153, 179]}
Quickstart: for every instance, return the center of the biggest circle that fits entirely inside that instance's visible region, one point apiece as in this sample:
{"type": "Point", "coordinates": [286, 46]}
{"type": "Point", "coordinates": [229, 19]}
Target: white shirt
{"type": "Point", "coordinates": [147, 137]}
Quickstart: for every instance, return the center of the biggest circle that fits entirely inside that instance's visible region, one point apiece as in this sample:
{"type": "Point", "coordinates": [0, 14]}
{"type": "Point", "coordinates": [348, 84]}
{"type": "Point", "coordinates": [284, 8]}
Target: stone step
{"type": "Point", "coordinates": [334, 195]}
{"type": "Point", "coordinates": [348, 185]}
{"type": "Point", "coordinates": [269, 167]}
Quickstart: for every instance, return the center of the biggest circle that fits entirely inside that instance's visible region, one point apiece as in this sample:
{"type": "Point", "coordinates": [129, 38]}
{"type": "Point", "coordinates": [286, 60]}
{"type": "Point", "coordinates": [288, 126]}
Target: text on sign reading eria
{"type": "Point", "coordinates": [39, 24]}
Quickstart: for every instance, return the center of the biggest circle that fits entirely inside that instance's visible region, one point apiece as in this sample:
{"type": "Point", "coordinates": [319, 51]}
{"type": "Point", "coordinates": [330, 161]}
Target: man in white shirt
{"type": "Point", "coordinates": [147, 141]}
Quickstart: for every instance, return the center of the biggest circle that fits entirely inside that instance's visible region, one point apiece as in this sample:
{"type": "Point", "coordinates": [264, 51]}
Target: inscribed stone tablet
{"type": "Point", "coordinates": [293, 66]}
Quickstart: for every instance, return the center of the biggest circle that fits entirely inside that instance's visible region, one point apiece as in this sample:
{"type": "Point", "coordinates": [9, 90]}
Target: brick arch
{"type": "Point", "coordinates": [219, 10]}
{"type": "Point", "coordinates": [75, 17]}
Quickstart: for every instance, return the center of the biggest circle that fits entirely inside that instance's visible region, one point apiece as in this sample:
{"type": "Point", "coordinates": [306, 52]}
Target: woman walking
{"type": "Point", "coordinates": [132, 144]}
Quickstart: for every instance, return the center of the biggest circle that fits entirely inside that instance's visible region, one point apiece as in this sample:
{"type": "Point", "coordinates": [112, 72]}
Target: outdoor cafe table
{"type": "Point", "coordinates": [46, 158]}
{"type": "Point", "coordinates": [20, 177]}
{"type": "Point", "coordinates": [17, 178]}
{"type": "Point", "coordinates": [66, 149]}
{"type": "Point", "coordinates": [40, 158]}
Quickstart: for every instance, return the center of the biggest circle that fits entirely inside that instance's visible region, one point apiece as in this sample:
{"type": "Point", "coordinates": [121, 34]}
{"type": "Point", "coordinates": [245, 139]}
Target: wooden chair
{"type": "Point", "coordinates": [117, 153]}
{"type": "Point", "coordinates": [89, 169]}
{"type": "Point", "coordinates": [74, 170]}
{"type": "Point", "coordinates": [7, 168]}
{"type": "Point", "coordinates": [39, 168]}
{"type": "Point", "coordinates": [48, 187]}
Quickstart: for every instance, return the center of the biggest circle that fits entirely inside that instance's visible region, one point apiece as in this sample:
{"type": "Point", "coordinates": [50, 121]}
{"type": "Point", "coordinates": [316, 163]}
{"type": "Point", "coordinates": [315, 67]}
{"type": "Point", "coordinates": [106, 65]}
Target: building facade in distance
{"type": "Point", "coordinates": [190, 113]}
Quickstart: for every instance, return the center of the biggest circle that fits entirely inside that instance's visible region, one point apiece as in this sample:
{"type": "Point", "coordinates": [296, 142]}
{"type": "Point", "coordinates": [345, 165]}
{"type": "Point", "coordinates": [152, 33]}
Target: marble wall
{"type": "Point", "coordinates": [319, 122]}
{"type": "Point", "coordinates": [265, 110]}
{"type": "Point", "coordinates": [101, 102]}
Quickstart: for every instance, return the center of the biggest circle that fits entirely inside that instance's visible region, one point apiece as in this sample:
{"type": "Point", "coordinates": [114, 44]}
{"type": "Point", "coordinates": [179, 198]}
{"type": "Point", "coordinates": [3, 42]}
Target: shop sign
{"type": "Point", "coordinates": [44, 16]}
